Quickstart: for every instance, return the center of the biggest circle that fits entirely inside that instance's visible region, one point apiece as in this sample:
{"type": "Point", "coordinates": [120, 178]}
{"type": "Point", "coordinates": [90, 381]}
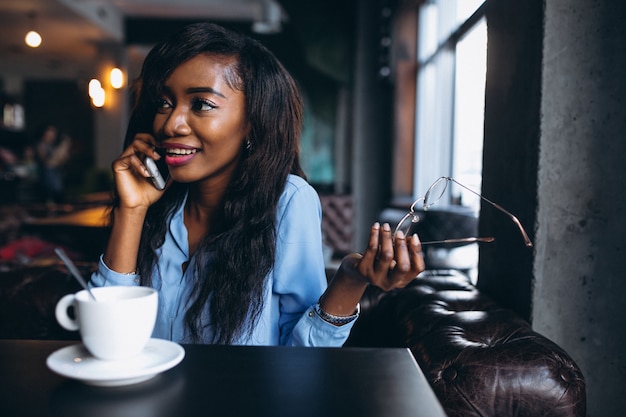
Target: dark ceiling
{"type": "Point", "coordinates": [74, 32]}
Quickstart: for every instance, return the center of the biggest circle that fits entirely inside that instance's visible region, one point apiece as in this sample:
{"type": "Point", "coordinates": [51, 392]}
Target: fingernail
{"type": "Point", "coordinates": [414, 240]}
{"type": "Point", "coordinates": [386, 227]}
{"type": "Point", "coordinates": [399, 234]}
{"type": "Point", "coordinates": [376, 225]}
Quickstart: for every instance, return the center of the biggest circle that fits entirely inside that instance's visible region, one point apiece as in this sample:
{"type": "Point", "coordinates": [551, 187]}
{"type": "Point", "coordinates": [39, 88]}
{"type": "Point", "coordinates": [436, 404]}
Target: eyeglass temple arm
{"type": "Point", "coordinates": [460, 240]}
{"type": "Point", "coordinates": [527, 240]}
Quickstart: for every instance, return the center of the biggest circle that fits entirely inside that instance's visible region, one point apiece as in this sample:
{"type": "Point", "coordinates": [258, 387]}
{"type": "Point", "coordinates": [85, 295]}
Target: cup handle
{"type": "Point", "coordinates": [61, 313]}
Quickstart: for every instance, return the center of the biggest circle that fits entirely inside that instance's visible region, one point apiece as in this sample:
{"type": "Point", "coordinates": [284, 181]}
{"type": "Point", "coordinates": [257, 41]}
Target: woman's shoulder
{"type": "Point", "coordinates": [297, 185]}
{"type": "Point", "coordinates": [296, 181]}
{"type": "Point", "coordinates": [297, 192]}
{"type": "Point", "coordinates": [299, 211]}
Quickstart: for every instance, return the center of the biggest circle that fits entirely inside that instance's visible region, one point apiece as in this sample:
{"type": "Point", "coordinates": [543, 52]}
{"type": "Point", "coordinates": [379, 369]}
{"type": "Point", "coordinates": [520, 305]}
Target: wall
{"type": "Point", "coordinates": [579, 273]}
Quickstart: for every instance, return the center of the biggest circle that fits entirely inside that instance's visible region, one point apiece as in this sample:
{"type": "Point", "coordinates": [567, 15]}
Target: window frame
{"type": "Point", "coordinates": [434, 70]}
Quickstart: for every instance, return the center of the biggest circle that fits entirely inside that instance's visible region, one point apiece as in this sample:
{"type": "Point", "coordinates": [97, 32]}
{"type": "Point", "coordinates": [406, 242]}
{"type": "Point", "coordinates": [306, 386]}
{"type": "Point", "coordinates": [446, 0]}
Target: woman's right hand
{"type": "Point", "coordinates": [132, 179]}
{"type": "Point", "coordinates": [136, 194]}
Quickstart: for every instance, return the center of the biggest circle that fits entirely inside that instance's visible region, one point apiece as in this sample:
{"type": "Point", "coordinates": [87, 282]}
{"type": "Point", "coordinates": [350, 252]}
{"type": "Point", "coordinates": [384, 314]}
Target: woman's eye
{"type": "Point", "coordinates": [202, 105]}
{"type": "Point", "coordinates": [162, 104]}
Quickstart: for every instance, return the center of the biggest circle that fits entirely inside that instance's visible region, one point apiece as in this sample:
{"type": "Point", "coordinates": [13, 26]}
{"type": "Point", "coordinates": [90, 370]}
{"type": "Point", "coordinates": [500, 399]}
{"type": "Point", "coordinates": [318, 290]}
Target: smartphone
{"type": "Point", "coordinates": [157, 178]}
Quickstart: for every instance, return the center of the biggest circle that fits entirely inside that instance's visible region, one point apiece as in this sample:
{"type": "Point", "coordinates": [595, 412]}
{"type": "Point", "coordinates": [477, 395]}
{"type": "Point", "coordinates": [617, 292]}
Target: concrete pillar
{"type": "Point", "coordinates": [580, 279]}
{"type": "Point", "coordinates": [511, 148]}
{"type": "Point", "coordinates": [372, 137]}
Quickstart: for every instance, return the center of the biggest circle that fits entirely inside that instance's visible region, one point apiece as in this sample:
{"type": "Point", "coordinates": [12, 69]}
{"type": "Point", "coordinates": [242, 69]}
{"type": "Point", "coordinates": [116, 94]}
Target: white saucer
{"type": "Point", "coordinates": [77, 363]}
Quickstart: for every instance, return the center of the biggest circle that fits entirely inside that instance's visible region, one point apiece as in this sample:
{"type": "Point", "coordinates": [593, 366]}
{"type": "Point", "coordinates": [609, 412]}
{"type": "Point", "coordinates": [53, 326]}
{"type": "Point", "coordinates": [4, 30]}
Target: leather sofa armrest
{"type": "Point", "coordinates": [481, 359]}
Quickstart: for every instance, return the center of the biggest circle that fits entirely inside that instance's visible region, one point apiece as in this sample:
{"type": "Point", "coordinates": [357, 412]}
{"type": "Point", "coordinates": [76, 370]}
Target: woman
{"type": "Point", "coordinates": [234, 242]}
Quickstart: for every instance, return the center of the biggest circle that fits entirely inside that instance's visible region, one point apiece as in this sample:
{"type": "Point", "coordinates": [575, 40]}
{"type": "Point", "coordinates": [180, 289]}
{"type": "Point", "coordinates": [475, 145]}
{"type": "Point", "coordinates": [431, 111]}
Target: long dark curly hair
{"type": "Point", "coordinates": [234, 259]}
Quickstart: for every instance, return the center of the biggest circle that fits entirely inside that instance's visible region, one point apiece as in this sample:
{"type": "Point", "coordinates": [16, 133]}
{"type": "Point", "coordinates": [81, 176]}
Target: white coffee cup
{"type": "Point", "coordinates": [117, 325]}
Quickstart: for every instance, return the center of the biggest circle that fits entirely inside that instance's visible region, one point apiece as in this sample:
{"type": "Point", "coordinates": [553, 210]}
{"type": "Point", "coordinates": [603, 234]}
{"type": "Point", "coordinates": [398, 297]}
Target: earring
{"type": "Point", "coordinates": [248, 145]}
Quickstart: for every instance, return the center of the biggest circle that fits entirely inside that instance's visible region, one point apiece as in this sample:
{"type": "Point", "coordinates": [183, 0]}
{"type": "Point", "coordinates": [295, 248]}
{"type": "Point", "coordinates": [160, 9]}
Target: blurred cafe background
{"type": "Point", "coordinates": [522, 101]}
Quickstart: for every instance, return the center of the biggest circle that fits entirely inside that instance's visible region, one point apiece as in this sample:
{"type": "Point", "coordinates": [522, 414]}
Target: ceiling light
{"type": "Point", "coordinates": [94, 87]}
{"type": "Point", "coordinates": [96, 92]}
{"type": "Point", "coordinates": [33, 39]}
{"type": "Point", "coordinates": [117, 78]}
{"type": "Point", "coordinates": [98, 98]}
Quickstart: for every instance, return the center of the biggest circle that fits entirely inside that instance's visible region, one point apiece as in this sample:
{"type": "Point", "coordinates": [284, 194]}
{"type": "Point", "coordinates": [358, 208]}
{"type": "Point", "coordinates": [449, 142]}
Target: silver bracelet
{"type": "Point", "coordinates": [337, 320]}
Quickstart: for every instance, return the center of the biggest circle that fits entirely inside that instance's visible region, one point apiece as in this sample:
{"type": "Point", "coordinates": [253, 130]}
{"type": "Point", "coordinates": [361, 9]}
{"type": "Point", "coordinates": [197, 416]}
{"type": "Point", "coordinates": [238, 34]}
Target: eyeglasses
{"type": "Point", "coordinates": [433, 195]}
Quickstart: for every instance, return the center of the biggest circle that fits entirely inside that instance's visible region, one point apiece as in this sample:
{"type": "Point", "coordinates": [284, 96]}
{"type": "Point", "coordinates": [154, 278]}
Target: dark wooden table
{"type": "Point", "coordinates": [227, 381]}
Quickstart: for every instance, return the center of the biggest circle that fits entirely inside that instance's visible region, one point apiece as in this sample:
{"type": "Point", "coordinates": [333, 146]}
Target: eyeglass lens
{"type": "Point", "coordinates": [432, 196]}
{"type": "Point", "coordinates": [435, 192]}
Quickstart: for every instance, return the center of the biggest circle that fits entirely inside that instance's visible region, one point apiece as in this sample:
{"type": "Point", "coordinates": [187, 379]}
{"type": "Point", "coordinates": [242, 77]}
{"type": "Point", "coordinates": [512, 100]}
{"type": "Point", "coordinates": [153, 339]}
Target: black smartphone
{"type": "Point", "coordinates": [156, 170]}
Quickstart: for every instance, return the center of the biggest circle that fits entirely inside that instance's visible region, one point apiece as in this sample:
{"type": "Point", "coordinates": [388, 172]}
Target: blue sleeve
{"type": "Point", "coordinates": [104, 276]}
{"type": "Point", "coordinates": [299, 277]}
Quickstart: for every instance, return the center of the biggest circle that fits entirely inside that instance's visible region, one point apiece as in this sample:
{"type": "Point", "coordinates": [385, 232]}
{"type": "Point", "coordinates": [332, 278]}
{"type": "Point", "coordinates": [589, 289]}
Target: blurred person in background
{"type": "Point", "coordinates": [53, 150]}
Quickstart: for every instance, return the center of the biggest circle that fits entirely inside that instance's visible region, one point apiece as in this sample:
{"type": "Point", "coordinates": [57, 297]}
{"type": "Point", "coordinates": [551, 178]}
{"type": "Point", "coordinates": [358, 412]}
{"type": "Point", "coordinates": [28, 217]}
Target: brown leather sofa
{"type": "Point", "coordinates": [481, 360]}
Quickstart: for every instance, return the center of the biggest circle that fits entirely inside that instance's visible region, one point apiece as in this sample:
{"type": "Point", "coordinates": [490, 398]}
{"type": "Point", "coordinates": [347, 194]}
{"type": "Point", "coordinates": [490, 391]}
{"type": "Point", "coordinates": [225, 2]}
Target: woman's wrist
{"type": "Point", "coordinates": [132, 213]}
{"type": "Point", "coordinates": [337, 320]}
{"type": "Point", "coordinates": [344, 291]}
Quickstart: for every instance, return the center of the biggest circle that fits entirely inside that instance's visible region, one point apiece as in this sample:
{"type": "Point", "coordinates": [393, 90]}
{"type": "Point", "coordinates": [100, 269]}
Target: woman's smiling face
{"type": "Point", "coordinates": [201, 120]}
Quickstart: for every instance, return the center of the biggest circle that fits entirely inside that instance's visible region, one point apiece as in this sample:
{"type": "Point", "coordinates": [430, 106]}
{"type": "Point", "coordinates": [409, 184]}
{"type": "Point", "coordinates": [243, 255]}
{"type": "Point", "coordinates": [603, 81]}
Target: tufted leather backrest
{"type": "Point", "coordinates": [481, 359]}
{"type": "Point", "coordinates": [440, 223]}
{"type": "Point", "coordinates": [337, 226]}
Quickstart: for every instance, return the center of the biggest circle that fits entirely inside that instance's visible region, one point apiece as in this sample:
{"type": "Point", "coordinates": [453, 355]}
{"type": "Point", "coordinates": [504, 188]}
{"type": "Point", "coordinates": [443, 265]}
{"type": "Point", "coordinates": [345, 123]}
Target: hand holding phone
{"type": "Point", "coordinates": [155, 174]}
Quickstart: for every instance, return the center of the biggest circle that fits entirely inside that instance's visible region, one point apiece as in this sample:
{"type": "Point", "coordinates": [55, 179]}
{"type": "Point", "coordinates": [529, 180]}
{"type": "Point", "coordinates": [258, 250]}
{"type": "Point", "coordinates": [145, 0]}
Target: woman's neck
{"type": "Point", "coordinates": [202, 212]}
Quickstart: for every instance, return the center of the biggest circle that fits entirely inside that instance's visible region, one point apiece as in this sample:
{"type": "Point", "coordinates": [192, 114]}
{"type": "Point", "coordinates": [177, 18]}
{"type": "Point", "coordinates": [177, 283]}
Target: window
{"type": "Point", "coordinates": [452, 56]}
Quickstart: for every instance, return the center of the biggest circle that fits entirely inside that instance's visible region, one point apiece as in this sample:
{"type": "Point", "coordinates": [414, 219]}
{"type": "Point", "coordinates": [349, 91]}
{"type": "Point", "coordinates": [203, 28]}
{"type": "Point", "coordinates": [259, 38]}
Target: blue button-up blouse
{"type": "Point", "coordinates": [292, 287]}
